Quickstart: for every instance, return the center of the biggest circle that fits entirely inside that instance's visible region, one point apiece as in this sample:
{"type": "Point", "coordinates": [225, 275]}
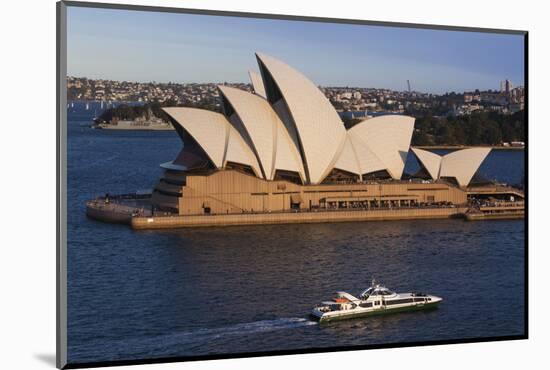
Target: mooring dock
{"type": "Point", "coordinates": [496, 211]}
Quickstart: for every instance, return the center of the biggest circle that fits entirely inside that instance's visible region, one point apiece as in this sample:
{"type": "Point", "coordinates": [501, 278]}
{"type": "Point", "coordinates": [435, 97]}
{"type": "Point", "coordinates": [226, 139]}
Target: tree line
{"type": "Point", "coordinates": [149, 110]}
{"type": "Point", "coordinates": [485, 128]}
{"type": "Point", "coordinates": [132, 112]}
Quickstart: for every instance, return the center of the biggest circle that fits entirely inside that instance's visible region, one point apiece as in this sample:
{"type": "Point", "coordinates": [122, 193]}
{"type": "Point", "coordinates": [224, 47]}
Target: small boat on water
{"type": "Point", "coordinates": [377, 299]}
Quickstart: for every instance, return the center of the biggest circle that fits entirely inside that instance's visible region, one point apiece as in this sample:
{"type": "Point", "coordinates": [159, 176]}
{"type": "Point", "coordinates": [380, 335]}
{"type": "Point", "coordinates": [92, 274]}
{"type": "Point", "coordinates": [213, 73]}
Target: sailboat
{"type": "Point", "coordinates": [87, 106]}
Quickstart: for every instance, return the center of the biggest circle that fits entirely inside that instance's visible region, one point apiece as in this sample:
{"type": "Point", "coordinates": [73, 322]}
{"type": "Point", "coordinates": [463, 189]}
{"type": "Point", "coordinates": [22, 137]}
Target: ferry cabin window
{"type": "Point", "coordinates": [399, 301]}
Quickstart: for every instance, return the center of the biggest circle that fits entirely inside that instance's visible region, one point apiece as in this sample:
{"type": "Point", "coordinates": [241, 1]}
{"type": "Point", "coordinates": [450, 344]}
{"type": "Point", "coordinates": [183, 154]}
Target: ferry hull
{"type": "Point", "coordinates": [385, 311]}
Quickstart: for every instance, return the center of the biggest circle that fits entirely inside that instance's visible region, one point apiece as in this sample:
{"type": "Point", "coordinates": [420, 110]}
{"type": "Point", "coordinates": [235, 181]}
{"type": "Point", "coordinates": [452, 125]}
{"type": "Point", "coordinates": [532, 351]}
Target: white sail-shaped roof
{"type": "Point", "coordinates": [238, 152]}
{"type": "Point", "coordinates": [287, 157]}
{"type": "Point", "coordinates": [208, 128]}
{"type": "Point", "coordinates": [463, 164]}
{"type": "Point", "coordinates": [320, 131]}
{"type": "Point", "coordinates": [388, 138]}
{"type": "Point", "coordinates": [257, 83]}
{"type": "Point", "coordinates": [259, 122]}
{"type": "Point", "coordinates": [219, 140]}
{"type": "Point", "coordinates": [367, 160]}
{"type": "Point", "coordinates": [269, 139]}
{"type": "Point", "coordinates": [347, 160]}
{"type": "Point", "coordinates": [430, 161]}
{"type": "Point", "coordinates": [289, 125]}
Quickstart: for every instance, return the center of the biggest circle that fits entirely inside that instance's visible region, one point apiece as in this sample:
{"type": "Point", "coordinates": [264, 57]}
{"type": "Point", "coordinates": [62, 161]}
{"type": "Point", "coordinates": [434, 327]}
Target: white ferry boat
{"type": "Point", "coordinates": [377, 299]}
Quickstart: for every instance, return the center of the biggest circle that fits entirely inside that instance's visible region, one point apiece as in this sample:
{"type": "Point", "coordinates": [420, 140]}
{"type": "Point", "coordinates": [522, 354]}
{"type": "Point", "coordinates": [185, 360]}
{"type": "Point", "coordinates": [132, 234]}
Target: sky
{"type": "Point", "coordinates": [142, 46]}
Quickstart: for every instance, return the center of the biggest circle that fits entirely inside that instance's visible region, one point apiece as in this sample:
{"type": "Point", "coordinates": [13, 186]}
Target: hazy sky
{"type": "Point", "coordinates": [147, 46]}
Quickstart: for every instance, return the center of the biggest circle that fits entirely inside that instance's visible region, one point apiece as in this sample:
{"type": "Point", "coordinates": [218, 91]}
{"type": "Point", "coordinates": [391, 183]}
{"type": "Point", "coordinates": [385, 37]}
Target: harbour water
{"type": "Point", "coordinates": [146, 294]}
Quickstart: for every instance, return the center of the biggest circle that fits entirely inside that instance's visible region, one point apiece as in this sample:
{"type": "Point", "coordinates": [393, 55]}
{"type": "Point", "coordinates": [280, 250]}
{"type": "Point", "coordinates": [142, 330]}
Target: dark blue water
{"type": "Point", "coordinates": [136, 295]}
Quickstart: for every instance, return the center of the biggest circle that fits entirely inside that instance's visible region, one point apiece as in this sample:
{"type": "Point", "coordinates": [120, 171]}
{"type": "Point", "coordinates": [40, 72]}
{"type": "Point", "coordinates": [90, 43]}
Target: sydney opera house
{"type": "Point", "coordinates": [285, 147]}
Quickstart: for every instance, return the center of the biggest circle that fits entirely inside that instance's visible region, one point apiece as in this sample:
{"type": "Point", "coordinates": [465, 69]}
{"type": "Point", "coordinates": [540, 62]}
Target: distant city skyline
{"type": "Point", "coordinates": [140, 46]}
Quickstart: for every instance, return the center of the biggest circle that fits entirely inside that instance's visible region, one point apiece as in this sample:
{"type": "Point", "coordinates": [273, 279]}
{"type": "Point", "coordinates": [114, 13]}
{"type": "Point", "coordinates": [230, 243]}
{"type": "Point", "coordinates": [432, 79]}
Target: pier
{"type": "Point", "coordinates": [496, 211]}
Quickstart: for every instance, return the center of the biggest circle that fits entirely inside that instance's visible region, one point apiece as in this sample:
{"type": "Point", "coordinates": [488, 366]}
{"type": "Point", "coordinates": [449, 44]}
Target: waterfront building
{"type": "Point", "coordinates": [285, 147]}
{"type": "Point", "coordinates": [506, 86]}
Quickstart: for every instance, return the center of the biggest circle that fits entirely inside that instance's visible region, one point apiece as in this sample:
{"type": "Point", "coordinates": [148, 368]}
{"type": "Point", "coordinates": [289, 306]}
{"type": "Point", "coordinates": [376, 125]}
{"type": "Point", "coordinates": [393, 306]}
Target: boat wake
{"type": "Point", "coordinates": [256, 327]}
{"type": "Point", "coordinates": [185, 341]}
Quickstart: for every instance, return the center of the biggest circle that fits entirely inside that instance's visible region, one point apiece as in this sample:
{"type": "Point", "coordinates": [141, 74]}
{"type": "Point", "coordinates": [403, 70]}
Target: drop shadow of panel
{"type": "Point", "coordinates": [47, 358]}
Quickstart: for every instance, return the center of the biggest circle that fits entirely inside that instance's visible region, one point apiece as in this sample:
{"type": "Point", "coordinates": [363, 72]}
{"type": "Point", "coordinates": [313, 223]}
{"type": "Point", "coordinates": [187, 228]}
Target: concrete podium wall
{"type": "Point", "coordinates": [169, 222]}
